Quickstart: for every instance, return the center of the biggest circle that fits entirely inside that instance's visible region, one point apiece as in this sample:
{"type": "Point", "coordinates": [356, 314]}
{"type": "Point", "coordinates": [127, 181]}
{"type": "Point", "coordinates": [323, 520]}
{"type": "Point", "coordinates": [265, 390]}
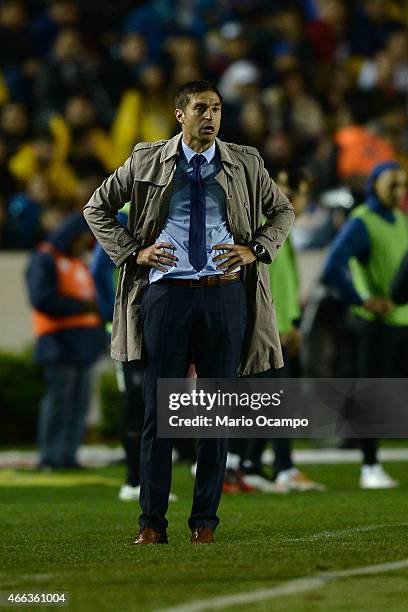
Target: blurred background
{"type": "Point", "coordinates": [320, 85]}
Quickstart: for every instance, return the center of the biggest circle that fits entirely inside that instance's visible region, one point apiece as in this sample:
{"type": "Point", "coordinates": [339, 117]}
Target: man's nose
{"type": "Point", "coordinates": [208, 114]}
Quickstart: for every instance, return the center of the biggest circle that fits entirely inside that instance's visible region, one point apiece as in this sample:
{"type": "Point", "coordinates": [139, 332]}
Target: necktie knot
{"type": "Point", "coordinates": [198, 161]}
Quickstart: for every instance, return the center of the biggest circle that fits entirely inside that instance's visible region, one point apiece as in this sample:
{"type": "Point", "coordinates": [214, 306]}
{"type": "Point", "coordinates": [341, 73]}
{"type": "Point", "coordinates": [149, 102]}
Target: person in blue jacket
{"type": "Point", "coordinates": [362, 265]}
{"type": "Point", "coordinates": [69, 338]}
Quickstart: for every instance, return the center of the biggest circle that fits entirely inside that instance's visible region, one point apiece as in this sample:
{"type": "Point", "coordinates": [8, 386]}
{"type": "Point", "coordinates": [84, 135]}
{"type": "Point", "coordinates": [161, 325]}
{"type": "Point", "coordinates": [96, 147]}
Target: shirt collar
{"type": "Point", "coordinates": [189, 152]}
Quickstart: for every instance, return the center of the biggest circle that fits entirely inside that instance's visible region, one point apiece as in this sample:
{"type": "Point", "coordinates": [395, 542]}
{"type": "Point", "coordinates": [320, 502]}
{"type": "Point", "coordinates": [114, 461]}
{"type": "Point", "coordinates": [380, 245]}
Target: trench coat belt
{"type": "Point", "coordinates": [215, 280]}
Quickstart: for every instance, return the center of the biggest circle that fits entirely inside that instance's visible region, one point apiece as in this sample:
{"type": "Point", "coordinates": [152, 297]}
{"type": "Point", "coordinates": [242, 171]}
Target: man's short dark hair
{"type": "Point", "coordinates": [193, 87]}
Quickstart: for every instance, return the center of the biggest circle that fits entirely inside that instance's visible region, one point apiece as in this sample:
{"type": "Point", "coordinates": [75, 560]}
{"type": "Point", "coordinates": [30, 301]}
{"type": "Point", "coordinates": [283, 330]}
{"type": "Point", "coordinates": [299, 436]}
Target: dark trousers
{"type": "Point", "coordinates": [382, 352]}
{"type": "Point", "coordinates": [130, 380]}
{"type": "Point", "coordinates": [182, 325]}
{"type": "Point", "coordinates": [282, 447]}
{"type": "Point", "coordinates": [61, 422]}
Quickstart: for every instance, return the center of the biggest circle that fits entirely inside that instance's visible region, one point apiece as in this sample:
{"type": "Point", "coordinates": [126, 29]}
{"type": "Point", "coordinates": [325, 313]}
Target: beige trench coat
{"type": "Point", "coordinates": [145, 179]}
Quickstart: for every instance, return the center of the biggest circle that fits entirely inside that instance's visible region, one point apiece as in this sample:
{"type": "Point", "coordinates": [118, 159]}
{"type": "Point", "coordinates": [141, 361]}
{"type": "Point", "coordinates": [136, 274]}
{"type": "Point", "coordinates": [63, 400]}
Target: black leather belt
{"type": "Point", "coordinates": [214, 280]}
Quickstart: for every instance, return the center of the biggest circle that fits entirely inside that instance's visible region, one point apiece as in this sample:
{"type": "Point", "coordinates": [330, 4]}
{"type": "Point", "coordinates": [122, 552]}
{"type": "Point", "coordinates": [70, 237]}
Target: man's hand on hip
{"type": "Point", "coordinates": [156, 256]}
{"type": "Point", "coordinates": [237, 255]}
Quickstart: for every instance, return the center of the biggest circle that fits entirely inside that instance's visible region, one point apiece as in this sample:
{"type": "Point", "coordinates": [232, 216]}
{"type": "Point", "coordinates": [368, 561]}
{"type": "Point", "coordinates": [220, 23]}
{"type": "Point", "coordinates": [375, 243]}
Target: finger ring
{"type": "Point", "coordinates": [157, 258]}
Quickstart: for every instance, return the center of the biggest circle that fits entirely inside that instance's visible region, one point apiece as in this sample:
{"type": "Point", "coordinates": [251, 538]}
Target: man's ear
{"type": "Point", "coordinates": [179, 115]}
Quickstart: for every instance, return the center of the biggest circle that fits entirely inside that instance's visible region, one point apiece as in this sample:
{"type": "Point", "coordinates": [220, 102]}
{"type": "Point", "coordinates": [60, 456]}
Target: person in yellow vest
{"type": "Point", "coordinates": [69, 338]}
{"type": "Point", "coordinates": [362, 265]}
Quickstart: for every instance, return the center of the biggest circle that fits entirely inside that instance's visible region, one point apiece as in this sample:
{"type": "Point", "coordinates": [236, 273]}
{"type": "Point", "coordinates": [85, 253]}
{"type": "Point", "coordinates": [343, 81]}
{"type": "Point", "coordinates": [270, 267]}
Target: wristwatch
{"type": "Point", "coordinates": [258, 250]}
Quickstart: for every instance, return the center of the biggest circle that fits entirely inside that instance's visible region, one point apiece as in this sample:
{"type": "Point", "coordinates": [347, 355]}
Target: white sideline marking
{"type": "Point", "coordinates": [99, 455]}
{"type": "Point", "coordinates": [292, 587]}
{"type": "Point", "coordinates": [340, 532]}
{"type": "Point", "coordinates": [16, 581]}
{"type": "Point", "coordinates": [334, 456]}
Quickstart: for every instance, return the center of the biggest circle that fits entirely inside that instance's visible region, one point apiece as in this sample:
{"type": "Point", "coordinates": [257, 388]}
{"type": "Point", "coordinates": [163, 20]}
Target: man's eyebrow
{"type": "Point", "coordinates": [205, 104]}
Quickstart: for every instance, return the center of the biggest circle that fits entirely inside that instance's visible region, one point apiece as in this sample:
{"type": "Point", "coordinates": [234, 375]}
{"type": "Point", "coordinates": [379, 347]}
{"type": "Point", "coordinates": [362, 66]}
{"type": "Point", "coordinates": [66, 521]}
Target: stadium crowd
{"type": "Point", "coordinates": [317, 83]}
{"type": "Point", "coordinates": [319, 87]}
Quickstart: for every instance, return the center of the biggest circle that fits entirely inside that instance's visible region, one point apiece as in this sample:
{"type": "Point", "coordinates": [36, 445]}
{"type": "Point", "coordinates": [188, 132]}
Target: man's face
{"type": "Point", "coordinates": [391, 187]}
{"type": "Point", "coordinates": [200, 120]}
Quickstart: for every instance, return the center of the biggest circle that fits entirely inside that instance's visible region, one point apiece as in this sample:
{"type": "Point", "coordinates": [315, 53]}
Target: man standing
{"type": "Point", "coordinates": [192, 281]}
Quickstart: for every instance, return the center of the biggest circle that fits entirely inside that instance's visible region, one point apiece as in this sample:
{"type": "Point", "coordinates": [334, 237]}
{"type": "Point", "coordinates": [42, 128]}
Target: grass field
{"type": "Point", "coordinates": [69, 533]}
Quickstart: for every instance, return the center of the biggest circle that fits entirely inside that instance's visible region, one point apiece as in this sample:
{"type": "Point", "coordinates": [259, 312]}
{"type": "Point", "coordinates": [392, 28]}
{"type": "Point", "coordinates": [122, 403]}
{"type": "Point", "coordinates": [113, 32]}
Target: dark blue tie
{"type": "Point", "coordinates": [197, 247]}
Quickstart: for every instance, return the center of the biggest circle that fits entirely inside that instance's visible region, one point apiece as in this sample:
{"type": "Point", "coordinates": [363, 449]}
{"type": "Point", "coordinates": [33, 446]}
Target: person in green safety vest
{"type": "Point", "coordinates": [362, 265]}
{"type": "Point", "coordinates": [295, 184]}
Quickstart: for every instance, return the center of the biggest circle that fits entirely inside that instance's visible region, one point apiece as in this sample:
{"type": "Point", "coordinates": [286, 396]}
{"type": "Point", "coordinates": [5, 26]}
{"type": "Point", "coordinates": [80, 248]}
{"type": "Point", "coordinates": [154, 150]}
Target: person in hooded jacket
{"type": "Point", "coordinates": [362, 264]}
{"type": "Point", "coordinates": [69, 338]}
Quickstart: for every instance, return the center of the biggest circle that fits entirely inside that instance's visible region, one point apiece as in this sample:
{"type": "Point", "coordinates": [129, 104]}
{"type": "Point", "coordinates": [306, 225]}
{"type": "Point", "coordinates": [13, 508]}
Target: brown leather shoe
{"type": "Point", "coordinates": [202, 535]}
{"type": "Point", "coordinates": [151, 536]}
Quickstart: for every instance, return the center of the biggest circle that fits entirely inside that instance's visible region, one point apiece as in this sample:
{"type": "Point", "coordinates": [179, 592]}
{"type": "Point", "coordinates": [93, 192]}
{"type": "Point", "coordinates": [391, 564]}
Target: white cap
{"type": "Point", "coordinates": [241, 72]}
{"type": "Point", "coordinates": [231, 30]}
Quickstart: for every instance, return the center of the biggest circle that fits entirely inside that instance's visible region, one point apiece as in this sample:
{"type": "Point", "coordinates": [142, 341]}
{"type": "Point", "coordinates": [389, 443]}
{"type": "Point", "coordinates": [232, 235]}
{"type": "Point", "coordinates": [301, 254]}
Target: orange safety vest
{"type": "Point", "coordinates": [360, 151]}
{"type": "Point", "coordinates": [74, 281]}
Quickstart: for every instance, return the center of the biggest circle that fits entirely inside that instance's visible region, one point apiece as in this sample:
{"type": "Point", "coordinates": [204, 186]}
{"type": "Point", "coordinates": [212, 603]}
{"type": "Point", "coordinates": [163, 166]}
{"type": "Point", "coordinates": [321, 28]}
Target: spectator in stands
{"type": "Point", "coordinates": [24, 226]}
{"type": "Point", "coordinates": [143, 114]}
{"type": "Point", "coordinates": [327, 32]}
{"type": "Point", "coordinates": [69, 336]}
{"type": "Point", "coordinates": [371, 27]}
{"type": "Point", "coordinates": [123, 68]}
{"type": "Point", "coordinates": [155, 21]}
{"type": "Point", "coordinates": [45, 27]}
{"type": "Point", "coordinates": [282, 40]}
{"type": "Point", "coordinates": [240, 82]}
{"type": "Point", "coordinates": [40, 157]}
{"type": "Point", "coordinates": [79, 134]}
{"type": "Point", "coordinates": [14, 127]}
{"type": "Point", "coordinates": [253, 124]}
{"type": "Point", "coordinates": [329, 93]}
{"type": "Point", "coordinates": [70, 70]}
{"type": "Point", "coordinates": [186, 60]}
{"type": "Point", "coordinates": [371, 246]}
{"type": "Point", "coordinates": [302, 114]}
{"type": "Point", "coordinates": [17, 53]}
